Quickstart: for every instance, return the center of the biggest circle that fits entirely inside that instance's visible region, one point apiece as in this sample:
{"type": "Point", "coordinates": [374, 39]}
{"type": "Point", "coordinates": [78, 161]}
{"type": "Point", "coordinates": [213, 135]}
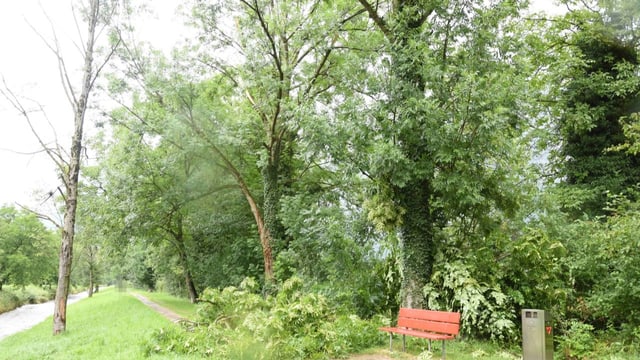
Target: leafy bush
{"type": "Point", "coordinates": [490, 277]}
{"type": "Point", "coordinates": [13, 297]}
{"type": "Point", "coordinates": [578, 341]}
{"type": "Point", "coordinates": [8, 301]}
{"type": "Point", "coordinates": [239, 323]}
{"type": "Point", "coordinates": [605, 268]}
{"type": "Point", "coordinates": [231, 305]}
{"type": "Point", "coordinates": [485, 309]}
{"type": "Point", "coordinates": [33, 294]}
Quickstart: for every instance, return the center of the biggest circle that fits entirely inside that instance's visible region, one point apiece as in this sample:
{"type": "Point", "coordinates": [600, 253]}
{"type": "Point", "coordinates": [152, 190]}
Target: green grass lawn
{"type": "Point", "coordinates": [110, 325]}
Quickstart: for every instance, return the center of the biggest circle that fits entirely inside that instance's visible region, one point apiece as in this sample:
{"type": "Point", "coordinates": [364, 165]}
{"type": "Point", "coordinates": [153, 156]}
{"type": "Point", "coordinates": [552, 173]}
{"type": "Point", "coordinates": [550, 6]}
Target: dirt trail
{"type": "Point", "coordinates": [27, 316]}
{"type": "Point", "coordinates": [162, 310]}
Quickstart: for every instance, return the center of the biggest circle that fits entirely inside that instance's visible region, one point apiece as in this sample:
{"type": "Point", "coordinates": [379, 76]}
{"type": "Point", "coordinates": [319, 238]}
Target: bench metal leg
{"type": "Point", "coordinates": [429, 345]}
{"type": "Point", "coordinates": [390, 342]}
{"type": "Point", "coordinates": [404, 343]}
{"type": "Point", "coordinates": [444, 354]}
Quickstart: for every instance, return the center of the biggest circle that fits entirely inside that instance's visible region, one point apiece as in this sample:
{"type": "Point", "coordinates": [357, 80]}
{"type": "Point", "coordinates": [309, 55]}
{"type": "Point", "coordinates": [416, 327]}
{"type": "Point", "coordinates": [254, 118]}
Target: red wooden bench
{"type": "Point", "coordinates": [428, 324]}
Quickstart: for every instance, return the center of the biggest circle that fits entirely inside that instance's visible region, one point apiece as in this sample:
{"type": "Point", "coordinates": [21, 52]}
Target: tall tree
{"type": "Point", "coordinates": [150, 185]}
{"type": "Point", "coordinates": [262, 75]}
{"type": "Point", "coordinates": [97, 15]}
{"type": "Point", "coordinates": [600, 96]}
{"type": "Point", "coordinates": [287, 49]}
{"type": "Point", "coordinates": [443, 136]}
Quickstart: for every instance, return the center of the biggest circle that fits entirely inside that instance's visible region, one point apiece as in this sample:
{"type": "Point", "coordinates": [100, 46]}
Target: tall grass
{"type": "Point", "coordinates": [110, 325]}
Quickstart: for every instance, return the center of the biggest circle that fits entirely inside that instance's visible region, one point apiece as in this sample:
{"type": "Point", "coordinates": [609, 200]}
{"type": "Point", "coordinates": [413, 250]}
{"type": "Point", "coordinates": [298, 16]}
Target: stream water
{"type": "Point", "coordinates": [30, 315]}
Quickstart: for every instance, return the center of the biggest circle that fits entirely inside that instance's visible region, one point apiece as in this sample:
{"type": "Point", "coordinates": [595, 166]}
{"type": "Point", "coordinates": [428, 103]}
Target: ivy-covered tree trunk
{"type": "Point", "coordinates": [417, 236]}
{"type": "Point", "coordinates": [414, 197]}
{"type": "Point", "coordinates": [271, 203]}
{"type": "Point", "coordinates": [417, 227]}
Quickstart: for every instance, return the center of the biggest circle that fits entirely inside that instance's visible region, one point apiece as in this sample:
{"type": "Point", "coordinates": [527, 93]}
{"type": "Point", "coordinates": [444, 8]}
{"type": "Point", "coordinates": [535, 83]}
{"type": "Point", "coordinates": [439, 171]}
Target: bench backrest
{"type": "Point", "coordinates": [440, 322]}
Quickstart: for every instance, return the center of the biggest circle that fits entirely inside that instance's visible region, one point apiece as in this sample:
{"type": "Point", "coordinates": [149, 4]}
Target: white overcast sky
{"type": "Point", "coordinates": [30, 70]}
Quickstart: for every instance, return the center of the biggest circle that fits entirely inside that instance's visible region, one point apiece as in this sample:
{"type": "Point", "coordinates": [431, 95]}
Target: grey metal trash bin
{"type": "Point", "coordinates": [537, 335]}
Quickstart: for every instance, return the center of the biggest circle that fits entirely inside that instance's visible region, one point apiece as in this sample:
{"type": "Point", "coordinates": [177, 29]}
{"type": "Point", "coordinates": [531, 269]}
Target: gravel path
{"type": "Point", "coordinates": [162, 310]}
{"type": "Point", "coordinates": [27, 316]}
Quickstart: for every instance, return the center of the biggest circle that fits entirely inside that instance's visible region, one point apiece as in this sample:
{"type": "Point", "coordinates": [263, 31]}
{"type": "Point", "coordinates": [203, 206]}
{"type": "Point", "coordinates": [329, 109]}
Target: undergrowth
{"type": "Point", "coordinates": [8, 301]}
{"type": "Point", "coordinates": [12, 297]}
{"type": "Point", "coordinates": [240, 323]}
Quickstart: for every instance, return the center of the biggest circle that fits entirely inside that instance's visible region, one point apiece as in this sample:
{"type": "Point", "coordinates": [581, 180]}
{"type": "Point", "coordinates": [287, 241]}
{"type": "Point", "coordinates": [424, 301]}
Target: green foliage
{"type": "Point", "coordinates": [578, 341]}
{"type": "Point", "coordinates": [32, 294]}
{"type": "Point", "coordinates": [489, 280]}
{"type": "Point", "coordinates": [486, 310]}
{"type": "Point", "coordinates": [230, 305]}
{"type": "Point", "coordinates": [12, 296]}
{"type": "Point", "coordinates": [605, 267]}
{"type": "Point", "coordinates": [533, 270]}
{"type": "Point", "coordinates": [602, 92]}
{"type": "Point", "coordinates": [27, 249]}
{"type": "Point", "coordinates": [335, 248]}
{"type": "Point", "coordinates": [8, 301]}
{"type": "Point", "coordinates": [239, 323]}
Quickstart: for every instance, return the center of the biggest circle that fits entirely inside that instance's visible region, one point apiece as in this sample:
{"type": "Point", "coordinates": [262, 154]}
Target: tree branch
{"type": "Point", "coordinates": [42, 216]}
{"type": "Point", "coordinates": [377, 19]}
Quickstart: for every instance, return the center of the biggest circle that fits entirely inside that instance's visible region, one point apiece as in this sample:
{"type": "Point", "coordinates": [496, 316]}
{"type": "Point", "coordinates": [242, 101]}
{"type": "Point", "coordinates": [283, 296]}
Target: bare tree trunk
{"type": "Point", "coordinates": [184, 262]}
{"type": "Point", "coordinates": [191, 287]}
{"type": "Point", "coordinates": [90, 290]}
{"type": "Point", "coordinates": [68, 233]}
{"type": "Point", "coordinates": [71, 177]}
{"type": "Point", "coordinates": [263, 232]}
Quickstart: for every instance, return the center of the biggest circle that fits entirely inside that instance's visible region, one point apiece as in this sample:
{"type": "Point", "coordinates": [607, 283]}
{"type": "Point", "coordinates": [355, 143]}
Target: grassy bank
{"type": "Point", "coordinates": [110, 325]}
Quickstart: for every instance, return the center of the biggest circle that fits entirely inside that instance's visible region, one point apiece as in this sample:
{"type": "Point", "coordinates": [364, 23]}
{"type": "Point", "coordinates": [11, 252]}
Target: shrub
{"type": "Point", "coordinates": [485, 309]}
{"type": "Point", "coordinates": [604, 265]}
{"type": "Point", "coordinates": [33, 294]}
{"type": "Point", "coordinates": [239, 323]}
{"type": "Point", "coordinates": [8, 301]}
{"type": "Point", "coordinates": [578, 341]}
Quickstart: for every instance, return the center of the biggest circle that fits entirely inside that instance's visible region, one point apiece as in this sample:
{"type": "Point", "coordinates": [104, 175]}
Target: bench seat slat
{"type": "Point", "coordinates": [440, 316]}
{"type": "Point", "coordinates": [418, 333]}
{"type": "Point", "coordinates": [428, 325]}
